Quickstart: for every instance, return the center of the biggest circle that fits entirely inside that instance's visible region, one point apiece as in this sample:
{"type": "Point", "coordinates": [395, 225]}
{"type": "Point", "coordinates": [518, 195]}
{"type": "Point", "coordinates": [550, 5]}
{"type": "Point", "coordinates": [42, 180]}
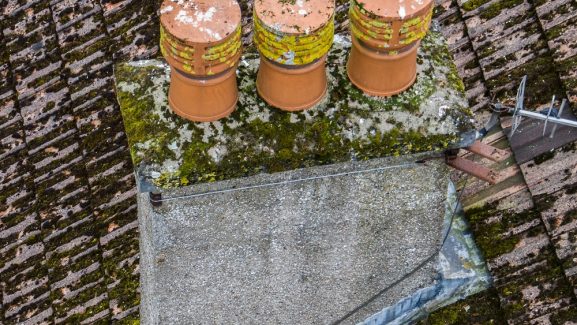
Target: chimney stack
{"type": "Point", "coordinates": [386, 36]}
{"type": "Point", "coordinates": [201, 41]}
{"type": "Point", "coordinates": [293, 38]}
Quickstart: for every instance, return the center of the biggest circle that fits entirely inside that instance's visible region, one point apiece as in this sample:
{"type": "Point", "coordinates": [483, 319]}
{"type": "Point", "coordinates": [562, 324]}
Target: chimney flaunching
{"type": "Point", "coordinates": [386, 36]}
{"type": "Point", "coordinates": [201, 41]}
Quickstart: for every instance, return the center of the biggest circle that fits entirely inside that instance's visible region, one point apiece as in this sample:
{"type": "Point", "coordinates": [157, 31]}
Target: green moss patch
{"type": "Point", "coordinates": [346, 125]}
{"type": "Point", "coordinates": [482, 308]}
{"type": "Point", "coordinates": [491, 228]}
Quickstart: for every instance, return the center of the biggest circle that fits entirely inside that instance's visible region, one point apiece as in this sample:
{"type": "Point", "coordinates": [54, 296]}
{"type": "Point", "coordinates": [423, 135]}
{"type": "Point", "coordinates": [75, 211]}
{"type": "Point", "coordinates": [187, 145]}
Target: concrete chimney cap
{"type": "Point", "coordinates": [200, 21]}
{"type": "Point", "coordinates": [394, 9]}
{"type": "Point", "coordinates": [294, 17]}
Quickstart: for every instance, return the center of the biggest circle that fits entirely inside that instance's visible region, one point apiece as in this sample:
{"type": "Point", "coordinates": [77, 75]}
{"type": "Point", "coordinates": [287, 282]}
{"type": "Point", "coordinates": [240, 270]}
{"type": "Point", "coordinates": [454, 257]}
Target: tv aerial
{"type": "Point", "coordinates": [472, 141]}
{"type": "Point", "coordinates": [550, 115]}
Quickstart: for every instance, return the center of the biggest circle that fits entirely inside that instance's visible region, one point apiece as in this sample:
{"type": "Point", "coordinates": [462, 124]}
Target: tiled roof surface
{"type": "Point", "coordinates": [68, 212]}
{"type": "Point", "coordinates": [525, 224]}
{"type": "Point", "coordinates": [68, 229]}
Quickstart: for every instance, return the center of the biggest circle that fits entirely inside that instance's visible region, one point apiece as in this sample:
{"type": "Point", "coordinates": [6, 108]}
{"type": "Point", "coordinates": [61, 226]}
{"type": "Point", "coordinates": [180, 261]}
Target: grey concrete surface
{"type": "Point", "coordinates": [301, 247]}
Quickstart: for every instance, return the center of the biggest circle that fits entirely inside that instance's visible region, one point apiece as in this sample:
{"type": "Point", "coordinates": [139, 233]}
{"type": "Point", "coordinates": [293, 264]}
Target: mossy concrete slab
{"type": "Point", "coordinates": [346, 125]}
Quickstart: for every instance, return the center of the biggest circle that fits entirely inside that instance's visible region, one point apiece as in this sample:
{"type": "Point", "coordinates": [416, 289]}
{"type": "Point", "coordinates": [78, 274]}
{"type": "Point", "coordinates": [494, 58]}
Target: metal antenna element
{"type": "Point", "coordinates": [549, 115]}
{"type": "Point", "coordinates": [563, 104]}
{"type": "Point", "coordinates": [517, 117]}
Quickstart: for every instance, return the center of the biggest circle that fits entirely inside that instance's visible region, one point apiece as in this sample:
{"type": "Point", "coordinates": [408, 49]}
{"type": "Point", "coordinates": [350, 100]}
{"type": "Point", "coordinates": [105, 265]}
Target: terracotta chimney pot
{"type": "Point", "coordinates": [293, 38]}
{"type": "Point", "coordinates": [386, 36]}
{"type": "Point", "coordinates": [201, 41]}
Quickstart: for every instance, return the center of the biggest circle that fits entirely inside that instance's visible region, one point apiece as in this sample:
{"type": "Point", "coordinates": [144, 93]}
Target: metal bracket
{"type": "Point", "coordinates": [489, 152]}
{"type": "Point", "coordinates": [155, 198]}
{"type": "Point", "coordinates": [472, 168]}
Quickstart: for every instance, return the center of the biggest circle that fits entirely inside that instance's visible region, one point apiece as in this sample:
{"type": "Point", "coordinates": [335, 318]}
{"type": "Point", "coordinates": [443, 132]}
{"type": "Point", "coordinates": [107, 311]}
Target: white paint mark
{"type": "Point", "coordinates": [183, 17]}
{"type": "Point", "coordinates": [166, 9]}
{"type": "Point", "coordinates": [205, 16]}
{"type": "Point", "coordinates": [402, 12]}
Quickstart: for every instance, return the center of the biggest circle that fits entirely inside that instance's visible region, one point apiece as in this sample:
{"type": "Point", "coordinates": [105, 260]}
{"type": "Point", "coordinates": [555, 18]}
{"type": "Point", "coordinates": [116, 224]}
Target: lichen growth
{"type": "Point", "coordinates": [256, 138]}
{"type": "Point", "coordinates": [492, 236]}
{"type": "Point", "coordinates": [482, 308]}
